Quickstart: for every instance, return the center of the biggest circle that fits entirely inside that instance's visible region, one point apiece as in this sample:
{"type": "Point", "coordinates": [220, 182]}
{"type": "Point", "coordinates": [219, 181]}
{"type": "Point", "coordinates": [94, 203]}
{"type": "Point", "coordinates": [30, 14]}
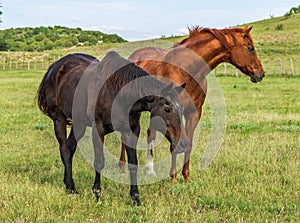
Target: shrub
{"type": "Point", "coordinates": [279, 27]}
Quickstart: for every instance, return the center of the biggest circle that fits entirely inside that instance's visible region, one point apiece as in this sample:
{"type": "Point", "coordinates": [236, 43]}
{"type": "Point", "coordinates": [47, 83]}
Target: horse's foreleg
{"type": "Point", "coordinates": [98, 141]}
{"type": "Point", "coordinates": [173, 166]}
{"type": "Point", "coordinates": [133, 167]}
{"type": "Point", "coordinates": [191, 124]}
{"type": "Point", "coordinates": [150, 164]}
{"type": "Point", "coordinates": [130, 140]}
{"type": "Point", "coordinates": [65, 153]}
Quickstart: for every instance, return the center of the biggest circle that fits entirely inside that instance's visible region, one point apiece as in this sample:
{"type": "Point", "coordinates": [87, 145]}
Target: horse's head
{"type": "Point", "coordinates": [166, 117]}
{"type": "Point", "coordinates": [243, 55]}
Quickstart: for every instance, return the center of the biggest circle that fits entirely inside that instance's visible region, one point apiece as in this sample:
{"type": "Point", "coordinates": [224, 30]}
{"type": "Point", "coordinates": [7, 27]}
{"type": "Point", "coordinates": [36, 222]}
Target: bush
{"type": "Point", "coordinates": [279, 27]}
{"type": "Point", "coordinates": [47, 38]}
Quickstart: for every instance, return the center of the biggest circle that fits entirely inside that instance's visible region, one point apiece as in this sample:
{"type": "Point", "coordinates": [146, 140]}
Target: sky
{"type": "Point", "coordinates": [139, 20]}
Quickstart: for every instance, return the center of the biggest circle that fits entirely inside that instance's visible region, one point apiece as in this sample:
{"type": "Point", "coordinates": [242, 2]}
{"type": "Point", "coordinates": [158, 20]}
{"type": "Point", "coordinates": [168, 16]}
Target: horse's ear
{"type": "Point", "coordinates": [167, 89]}
{"type": "Point", "coordinates": [247, 29]}
{"type": "Point", "coordinates": [179, 89]}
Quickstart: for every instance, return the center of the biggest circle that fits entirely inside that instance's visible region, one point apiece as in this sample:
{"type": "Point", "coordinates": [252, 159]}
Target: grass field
{"type": "Point", "coordinates": [255, 177]}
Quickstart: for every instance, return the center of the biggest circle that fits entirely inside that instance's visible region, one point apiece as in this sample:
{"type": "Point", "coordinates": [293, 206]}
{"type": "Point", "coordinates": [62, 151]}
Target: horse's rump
{"type": "Point", "coordinates": [55, 78]}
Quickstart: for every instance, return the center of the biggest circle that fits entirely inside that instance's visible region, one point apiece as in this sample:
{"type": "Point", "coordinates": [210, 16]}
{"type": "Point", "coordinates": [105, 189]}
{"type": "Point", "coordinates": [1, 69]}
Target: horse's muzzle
{"type": "Point", "coordinates": [257, 77]}
{"type": "Point", "coordinates": [181, 146]}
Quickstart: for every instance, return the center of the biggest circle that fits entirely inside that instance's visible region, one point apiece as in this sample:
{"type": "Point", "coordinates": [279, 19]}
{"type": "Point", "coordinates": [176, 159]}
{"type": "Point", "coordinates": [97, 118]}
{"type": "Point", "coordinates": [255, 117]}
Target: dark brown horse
{"type": "Point", "coordinates": [110, 95]}
{"type": "Point", "coordinates": [189, 62]}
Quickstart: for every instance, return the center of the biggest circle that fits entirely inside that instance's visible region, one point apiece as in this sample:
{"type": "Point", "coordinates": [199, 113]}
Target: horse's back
{"type": "Point", "coordinates": [147, 53]}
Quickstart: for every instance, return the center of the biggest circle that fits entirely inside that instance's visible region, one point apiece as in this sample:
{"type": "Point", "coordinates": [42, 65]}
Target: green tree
{"type": "Point", "coordinates": [295, 10]}
{"type": "Point", "coordinates": [47, 38]}
{"type": "Point", "coordinates": [0, 12]}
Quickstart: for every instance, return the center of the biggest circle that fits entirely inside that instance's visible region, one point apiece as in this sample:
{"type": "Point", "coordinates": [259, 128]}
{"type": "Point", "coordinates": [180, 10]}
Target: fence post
{"type": "Point", "coordinates": [225, 69]}
{"type": "Point", "coordinates": [23, 62]}
{"type": "Point", "coordinates": [236, 72]}
{"type": "Point", "coordinates": [292, 67]}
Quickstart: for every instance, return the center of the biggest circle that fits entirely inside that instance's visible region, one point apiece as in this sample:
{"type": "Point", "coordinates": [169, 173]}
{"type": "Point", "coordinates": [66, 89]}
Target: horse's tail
{"type": "Point", "coordinates": [44, 89]}
{"type": "Point", "coordinates": [42, 95]}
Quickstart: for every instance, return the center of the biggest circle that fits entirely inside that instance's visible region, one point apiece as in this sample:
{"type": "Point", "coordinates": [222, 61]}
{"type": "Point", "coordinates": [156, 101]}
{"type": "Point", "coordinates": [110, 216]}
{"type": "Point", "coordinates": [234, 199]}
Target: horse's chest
{"type": "Point", "coordinates": [108, 128]}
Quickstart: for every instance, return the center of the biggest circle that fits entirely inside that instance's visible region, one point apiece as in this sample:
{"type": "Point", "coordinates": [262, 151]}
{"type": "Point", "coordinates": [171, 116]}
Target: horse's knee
{"type": "Point", "coordinates": [99, 166]}
{"type": "Point", "coordinates": [133, 168]}
{"type": "Point", "coordinates": [151, 133]}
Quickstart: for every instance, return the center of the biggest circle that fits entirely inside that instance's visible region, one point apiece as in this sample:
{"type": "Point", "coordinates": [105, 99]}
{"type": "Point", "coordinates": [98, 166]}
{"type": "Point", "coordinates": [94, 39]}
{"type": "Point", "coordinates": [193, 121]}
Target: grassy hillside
{"type": "Point", "coordinates": [279, 35]}
{"type": "Point", "coordinates": [277, 41]}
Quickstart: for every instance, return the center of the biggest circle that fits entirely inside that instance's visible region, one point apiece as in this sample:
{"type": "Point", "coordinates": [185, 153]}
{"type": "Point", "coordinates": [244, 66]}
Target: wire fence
{"type": "Point", "coordinates": [27, 61]}
{"type": "Point", "coordinates": [284, 65]}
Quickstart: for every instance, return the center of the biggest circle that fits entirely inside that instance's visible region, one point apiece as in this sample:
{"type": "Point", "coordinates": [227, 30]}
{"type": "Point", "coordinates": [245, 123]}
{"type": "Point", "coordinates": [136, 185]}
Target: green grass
{"type": "Point", "coordinates": [255, 177]}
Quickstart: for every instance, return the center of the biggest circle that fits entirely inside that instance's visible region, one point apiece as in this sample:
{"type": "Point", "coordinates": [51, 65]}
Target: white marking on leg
{"type": "Point", "coordinates": [150, 163]}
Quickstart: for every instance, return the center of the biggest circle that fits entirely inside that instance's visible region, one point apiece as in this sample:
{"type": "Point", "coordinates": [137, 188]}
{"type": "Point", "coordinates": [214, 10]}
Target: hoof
{"type": "Point", "coordinates": [173, 180]}
{"type": "Point", "coordinates": [187, 180]}
{"type": "Point", "coordinates": [122, 171]}
{"type": "Point", "coordinates": [121, 167]}
{"type": "Point", "coordinates": [136, 200]}
{"type": "Point", "coordinates": [71, 191]}
{"type": "Point", "coordinates": [97, 194]}
{"type": "Point", "coordinates": [151, 173]}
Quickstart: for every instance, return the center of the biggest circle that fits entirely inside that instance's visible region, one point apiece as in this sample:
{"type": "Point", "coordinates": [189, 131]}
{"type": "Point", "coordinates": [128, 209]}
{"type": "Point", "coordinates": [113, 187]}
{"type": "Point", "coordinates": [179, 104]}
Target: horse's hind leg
{"type": "Point", "coordinates": [65, 151]}
{"type": "Point", "coordinates": [122, 160]}
{"type": "Point", "coordinates": [72, 145]}
{"type": "Point", "coordinates": [98, 141]}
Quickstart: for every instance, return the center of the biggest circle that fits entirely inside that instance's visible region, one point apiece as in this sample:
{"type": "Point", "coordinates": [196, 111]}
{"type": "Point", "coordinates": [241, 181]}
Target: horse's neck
{"type": "Point", "coordinates": [143, 104]}
{"type": "Point", "coordinates": [138, 93]}
{"type": "Point", "coordinates": [210, 53]}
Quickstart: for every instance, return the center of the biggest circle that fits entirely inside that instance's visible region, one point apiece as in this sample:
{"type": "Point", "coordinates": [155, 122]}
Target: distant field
{"type": "Point", "coordinates": [254, 178]}
{"type": "Point", "coordinates": [278, 49]}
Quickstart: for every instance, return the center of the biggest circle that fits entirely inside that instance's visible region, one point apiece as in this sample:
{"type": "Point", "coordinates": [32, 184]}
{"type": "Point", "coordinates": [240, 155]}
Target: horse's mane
{"type": "Point", "coordinates": [121, 72]}
{"type": "Point", "coordinates": [219, 34]}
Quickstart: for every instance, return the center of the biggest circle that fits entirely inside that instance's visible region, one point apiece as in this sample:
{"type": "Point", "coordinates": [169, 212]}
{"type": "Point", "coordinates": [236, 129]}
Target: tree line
{"type": "Point", "coordinates": [48, 38]}
{"type": "Point", "coordinates": [293, 10]}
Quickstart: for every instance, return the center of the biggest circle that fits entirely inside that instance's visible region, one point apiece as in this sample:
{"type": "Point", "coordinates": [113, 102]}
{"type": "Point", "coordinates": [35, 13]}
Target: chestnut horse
{"type": "Point", "coordinates": [79, 91]}
{"type": "Point", "coordinates": [189, 62]}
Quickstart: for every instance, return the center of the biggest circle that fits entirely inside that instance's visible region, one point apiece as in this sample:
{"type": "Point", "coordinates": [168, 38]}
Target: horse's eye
{"type": "Point", "coordinates": [167, 110]}
{"type": "Point", "coordinates": [251, 49]}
